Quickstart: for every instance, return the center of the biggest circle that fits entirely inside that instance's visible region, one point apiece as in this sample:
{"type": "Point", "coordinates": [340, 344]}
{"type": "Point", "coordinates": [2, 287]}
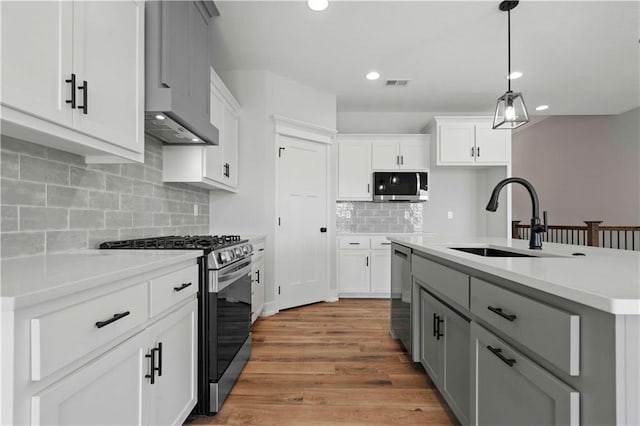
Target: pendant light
{"type": "Point", "coordinates": [511, 111]}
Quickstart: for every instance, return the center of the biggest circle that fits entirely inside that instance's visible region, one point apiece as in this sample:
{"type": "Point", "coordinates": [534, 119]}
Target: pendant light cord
{"type": "Point", "coordinates": [509, 49]}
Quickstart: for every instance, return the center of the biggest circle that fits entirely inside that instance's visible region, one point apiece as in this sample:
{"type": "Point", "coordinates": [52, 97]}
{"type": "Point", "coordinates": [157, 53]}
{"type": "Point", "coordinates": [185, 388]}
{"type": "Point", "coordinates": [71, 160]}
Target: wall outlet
{"type": "Point", "coordinates": [195, 210]}
{"type": "Point", "coordinates": [406, 214]}
{"type": "Point", "coordinates": [449, 215]}
{"type": "Point", "coordinates": [348, 214]}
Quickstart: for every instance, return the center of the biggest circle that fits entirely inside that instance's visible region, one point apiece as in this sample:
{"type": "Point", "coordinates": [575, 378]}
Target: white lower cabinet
{"type": "Point", "coordinates": [257, 279]}
{"type": "Point", "coordinates": [364, 266]}
{"type": "Point", "coordinates": [121, 354]}
{"type": "Point", "coordinates": [109, 391]}
{"type": "Point", "coordinates": [512, 390]}
{"type": "Point", "coordinates": [444, 352]}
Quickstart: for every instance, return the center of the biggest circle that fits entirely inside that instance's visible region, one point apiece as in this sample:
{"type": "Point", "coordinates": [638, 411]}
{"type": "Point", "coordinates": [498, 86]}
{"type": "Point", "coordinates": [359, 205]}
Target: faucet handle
{"type": "Point", "coordinates": [545, 228]}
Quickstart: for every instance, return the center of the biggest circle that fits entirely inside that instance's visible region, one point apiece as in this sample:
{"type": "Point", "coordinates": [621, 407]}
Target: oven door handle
{"type": "Point", "coordinates": [226, 280]}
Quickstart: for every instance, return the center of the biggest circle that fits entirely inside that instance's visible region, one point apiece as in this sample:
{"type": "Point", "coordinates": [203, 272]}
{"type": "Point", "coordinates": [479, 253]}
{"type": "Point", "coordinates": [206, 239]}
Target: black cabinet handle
{"type": "Point", "coordinates": [368, 188]}
{"type": "Point", "coordinates": [72, 101]}
{"type": "Point", "coordinates": [159, 369]}
{"type": "Point", "coordinates": [85, 95]}
{"type": "Point", "coordinates": [354, 244]}
{"type": "Point", "coordinates": [498, 352]}
{"type": "Point", "coordinates": [402, 160]}
{"type": "Point", "coordinates": [385, 244]}
{"type": "Point", "coordinates": [182, 287]}
{"type": "Point", "coordinates": [258, 276]}
{"type": "Point", "coordinates": [478, 151]}
{"type": "Point", "coordinates": [114, 318]}
{"type": "Point", "coordinates": [473, 152]}
{"type": "Point", "coordinates": [367, 260]}
{"type": "Point", "coordinates": [498, 311]}
{"type": "Point", "coordinates": [152, 366]}
{"type": "Point", "coordinates": [439, 335]}
{"type": "Point", "coordinates": [435, 324]}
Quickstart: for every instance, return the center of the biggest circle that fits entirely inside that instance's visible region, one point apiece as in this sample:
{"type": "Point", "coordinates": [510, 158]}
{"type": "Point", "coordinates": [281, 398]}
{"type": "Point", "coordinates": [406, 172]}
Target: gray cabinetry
{"type": "Point", "coordinates": [512, 390]}
{"type": "Point", "coordinates": [177, 61]}
{"type": "Point", "coordinates": [444, 352]}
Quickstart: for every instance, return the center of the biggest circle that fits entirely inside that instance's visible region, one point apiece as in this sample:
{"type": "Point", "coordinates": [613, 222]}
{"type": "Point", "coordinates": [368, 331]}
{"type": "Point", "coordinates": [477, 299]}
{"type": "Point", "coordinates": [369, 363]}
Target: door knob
{"type": "Point", "coordinates": [323, 229]}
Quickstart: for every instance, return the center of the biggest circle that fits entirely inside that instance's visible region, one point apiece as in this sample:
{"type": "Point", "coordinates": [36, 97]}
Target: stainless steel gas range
{"type": "Point", "coordinates": [224, 304]}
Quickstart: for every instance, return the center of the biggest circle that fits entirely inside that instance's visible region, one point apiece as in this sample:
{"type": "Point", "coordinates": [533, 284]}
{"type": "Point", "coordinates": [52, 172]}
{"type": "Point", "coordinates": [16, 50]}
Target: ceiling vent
{"type": "Point", "coordinates": [397, 82]}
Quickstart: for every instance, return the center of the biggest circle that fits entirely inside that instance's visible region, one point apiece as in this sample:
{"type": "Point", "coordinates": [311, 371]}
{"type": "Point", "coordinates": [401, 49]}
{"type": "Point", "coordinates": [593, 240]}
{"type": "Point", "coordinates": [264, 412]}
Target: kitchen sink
{"type": "Point", "coordinates": [493, 252]}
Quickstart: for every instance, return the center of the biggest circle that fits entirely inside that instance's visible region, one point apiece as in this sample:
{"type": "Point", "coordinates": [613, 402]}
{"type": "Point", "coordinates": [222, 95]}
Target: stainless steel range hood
{"type": "Point", "coordinates": [168, 130]}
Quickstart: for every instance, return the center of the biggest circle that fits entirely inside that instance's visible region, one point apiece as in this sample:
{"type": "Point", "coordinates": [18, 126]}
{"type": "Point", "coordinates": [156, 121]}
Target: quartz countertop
{"type": "Point", "coordinates": [25, 281]}
{"type": "Point", "coordinates": [605, 279]}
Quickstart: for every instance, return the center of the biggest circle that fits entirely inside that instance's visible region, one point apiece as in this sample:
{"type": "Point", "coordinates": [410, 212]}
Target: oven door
{"type": "Point", "coordinates": [230, 317]}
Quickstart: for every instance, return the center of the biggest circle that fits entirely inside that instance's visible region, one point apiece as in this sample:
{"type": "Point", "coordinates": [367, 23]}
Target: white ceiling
{"type": "Point", "coordinates": [580, 57]}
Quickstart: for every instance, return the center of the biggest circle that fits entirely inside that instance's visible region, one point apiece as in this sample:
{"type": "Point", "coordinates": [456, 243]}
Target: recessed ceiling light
{"type": "Point", "coordinates": [318, 5]}
{"type": "Point", "coordinates": [373, 75]}
{"type": "Point", "coordinates": [195, 140]}
{"type": "Point", "coordinates": [542, 107]}
{"type": "Point", "coordinates": [160, 117]}
{"type": "Point", "coordinates": [515, 75]}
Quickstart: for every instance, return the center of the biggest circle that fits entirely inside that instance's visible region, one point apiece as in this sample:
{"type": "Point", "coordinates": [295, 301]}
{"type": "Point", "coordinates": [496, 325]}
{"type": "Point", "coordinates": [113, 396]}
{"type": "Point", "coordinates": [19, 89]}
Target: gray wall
{"type": "Point", "coordinates": [51, 201]}
{"type": "Point", "coordinates": [583, 167]}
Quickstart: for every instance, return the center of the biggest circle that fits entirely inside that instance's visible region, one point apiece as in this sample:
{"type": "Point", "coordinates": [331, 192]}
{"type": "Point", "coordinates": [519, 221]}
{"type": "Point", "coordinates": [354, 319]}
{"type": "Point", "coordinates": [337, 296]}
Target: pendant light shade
{"type": "Point", "coordinates": [511, 111]}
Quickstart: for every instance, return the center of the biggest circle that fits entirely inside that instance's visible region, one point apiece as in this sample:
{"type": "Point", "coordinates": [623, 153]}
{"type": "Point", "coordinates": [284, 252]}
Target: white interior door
{"type": "Point", "coordinates": [301, 250]}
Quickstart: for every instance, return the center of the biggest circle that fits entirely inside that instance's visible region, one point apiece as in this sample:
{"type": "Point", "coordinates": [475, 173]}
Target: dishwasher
{"type": "Point", "coordinates": [401, 293]}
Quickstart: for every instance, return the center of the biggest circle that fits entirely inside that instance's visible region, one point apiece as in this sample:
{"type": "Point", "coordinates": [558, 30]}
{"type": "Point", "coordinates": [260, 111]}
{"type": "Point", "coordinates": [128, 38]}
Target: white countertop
{"type": "Point", "coordinates": [605, 279]}
{"type": "Point", "coordinates": [26, 281]}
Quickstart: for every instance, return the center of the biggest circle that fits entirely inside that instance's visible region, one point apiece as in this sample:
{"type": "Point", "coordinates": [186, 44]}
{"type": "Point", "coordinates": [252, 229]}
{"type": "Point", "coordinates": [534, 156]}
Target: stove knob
{"type": "Point", "coordinates": [222, 257]}
{"type": "Point", "coordinates": [238, 251]}
{"type": "Point", "coordinates": [231, 254]}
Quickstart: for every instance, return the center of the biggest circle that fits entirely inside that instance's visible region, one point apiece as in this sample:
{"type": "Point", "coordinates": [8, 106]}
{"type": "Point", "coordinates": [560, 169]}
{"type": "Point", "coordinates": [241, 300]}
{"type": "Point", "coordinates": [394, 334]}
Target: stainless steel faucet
{"type": "Point", "coordinates": [535, 241]}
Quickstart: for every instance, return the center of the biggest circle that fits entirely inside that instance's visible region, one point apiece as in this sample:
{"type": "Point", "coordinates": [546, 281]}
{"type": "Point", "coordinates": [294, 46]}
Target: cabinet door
{"type": "Point", "coordinates": [430, 348]}
{"type": "Point", "coordinates": [214, 155]}
{"type": "Point", "coordinates": [456, 143]}
{"type": "Point", "coordinates": [492, 146]}
{"type": "Point", "coordinates": [37, 58]}
{"type": "Point", "coordinates": [230, 142]}
{"type": "Point", "coordinates": [455, 368]}
{"type": "Point", "coordinates": [413, 155]}
{"type": "Point", "coordinates": [257, 289]}
{"type": "Point", "coordinates": [111, 390]}
{"type": "Point", "coordinates": [354, 171]}
{"type": "Point", "coordinates": [385, 155]}
{"type": "Point", "coordinates": [108, 53]}
{"type": "Point", "coordinates": [522, 393]}
{"type": "Point", "coordinates": [175, 387]}
{"type": "Point", "coordinates": [381, 271]}
{"type": "Point", "coordinates": [354, 271]}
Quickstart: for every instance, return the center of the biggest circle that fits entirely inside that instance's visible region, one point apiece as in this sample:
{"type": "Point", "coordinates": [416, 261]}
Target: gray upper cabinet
{"type": "Point", "coordinates": [177, 60]}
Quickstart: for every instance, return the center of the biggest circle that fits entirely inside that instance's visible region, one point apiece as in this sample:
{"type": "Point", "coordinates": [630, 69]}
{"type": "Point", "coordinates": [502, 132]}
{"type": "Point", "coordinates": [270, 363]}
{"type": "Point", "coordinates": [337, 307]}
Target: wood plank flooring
{"type": "Point", "coordinates": [331, 364]}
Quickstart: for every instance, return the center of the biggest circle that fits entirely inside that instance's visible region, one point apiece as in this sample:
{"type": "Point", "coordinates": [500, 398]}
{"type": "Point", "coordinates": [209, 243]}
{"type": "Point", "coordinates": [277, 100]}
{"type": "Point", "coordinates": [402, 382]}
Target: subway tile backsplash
{"type": "Point", "coordinates": [50, 201]}
{"type": "Point", "coordinates": [369, 217]}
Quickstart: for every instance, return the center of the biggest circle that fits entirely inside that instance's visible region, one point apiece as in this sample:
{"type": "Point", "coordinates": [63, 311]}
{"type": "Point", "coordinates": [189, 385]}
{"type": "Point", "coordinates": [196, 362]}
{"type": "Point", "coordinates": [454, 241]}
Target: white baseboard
{"type": "Point", "coordinates": [332, 296]}
{"type": "Point", "coordinates": [270, 308]}
{"type": "Point", "coordinates": [364, 295]}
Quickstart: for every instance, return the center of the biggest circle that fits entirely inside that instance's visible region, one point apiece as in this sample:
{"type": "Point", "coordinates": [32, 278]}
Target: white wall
{"type": "Point", "coordinates": [583, 168]}
{"type": "Point", "coordinates": [262, 95]}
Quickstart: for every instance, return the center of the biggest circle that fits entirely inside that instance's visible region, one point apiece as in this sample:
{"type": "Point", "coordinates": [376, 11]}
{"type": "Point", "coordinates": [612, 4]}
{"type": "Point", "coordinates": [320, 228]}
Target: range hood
{"type": "Point", "coordinates": [177, 72]}
{"type": "Point", "coordinates": [170, 131]}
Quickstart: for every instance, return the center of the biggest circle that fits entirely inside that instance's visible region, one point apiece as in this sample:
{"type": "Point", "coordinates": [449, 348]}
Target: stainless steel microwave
{"type": "Point", "coordinates": [400, 186]}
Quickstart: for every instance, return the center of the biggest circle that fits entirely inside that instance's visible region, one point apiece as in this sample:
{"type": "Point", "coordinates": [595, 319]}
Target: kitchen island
{"type": "Point", "coordinates": [548, 339]}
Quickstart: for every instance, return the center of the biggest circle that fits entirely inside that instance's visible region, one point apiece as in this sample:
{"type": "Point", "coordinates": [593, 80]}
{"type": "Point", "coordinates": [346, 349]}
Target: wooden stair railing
{"type": "Point", "coordinates": [591, 234]}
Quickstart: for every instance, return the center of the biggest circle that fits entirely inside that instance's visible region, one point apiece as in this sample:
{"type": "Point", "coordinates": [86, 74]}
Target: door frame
{"type": "Point", "coordinates": [289, 127]}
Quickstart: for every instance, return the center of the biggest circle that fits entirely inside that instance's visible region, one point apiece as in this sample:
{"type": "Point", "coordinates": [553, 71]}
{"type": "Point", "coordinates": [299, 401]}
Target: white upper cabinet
{"type": "Point", "coordinates": [465, 141]}
{"type": "Point", "coordinates": [72, 76]}
{"type": "Point", "coordinates": [403, 152]}
{"type": "Point", "coordinates": [354, 169]}
{"type": "Point", "coordinates": [209, 166]}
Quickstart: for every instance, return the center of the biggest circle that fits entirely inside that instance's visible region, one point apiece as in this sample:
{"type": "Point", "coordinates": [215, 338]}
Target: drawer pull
{"type": "Point", "coordinates": [152, 366]}
{"type": "Point", "coordinates": [498, 352]}
{"type": "Point", "coordinates": [159, 369]}
{"type": "Point", "coordinates": [182, 287]}
{"type": "Point", "coordinates": [498, 311]}
{"type": "Point", "coordinates": [354, 244]}
{"type": "Point", "coordinates": [385, 244]}
{"type": "Point", "coordinates": [114, 318]}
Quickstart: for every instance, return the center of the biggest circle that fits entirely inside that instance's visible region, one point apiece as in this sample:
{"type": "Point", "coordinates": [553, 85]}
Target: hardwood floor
{"type": "Point", "coordinates": [331, 364]}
